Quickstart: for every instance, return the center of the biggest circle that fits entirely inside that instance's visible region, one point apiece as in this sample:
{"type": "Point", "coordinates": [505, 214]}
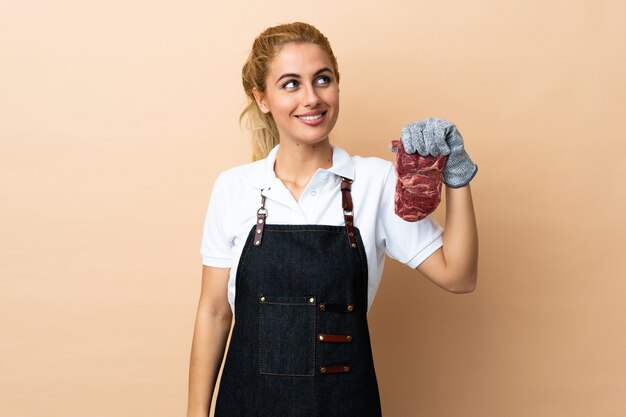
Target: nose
{"type": "Point", "coordinates": [311, 97]}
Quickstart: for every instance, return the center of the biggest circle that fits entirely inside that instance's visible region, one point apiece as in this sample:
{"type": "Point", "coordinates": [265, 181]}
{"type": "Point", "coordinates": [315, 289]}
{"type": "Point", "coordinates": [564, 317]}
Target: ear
{"type": "Point", "coordinates": [260, 100]}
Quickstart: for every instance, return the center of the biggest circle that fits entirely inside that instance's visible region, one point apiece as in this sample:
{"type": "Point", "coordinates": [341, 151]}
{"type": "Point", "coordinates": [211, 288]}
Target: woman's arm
{"type": "Point", "coordinates": [454, 266]}
{"type": "Point", "coordinates": [213, 321]}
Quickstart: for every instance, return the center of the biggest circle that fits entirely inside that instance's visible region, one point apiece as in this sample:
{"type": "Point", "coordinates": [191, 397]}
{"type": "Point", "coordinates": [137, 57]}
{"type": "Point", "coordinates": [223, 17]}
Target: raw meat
{"type": "Point", "coordinates": [418, 189]}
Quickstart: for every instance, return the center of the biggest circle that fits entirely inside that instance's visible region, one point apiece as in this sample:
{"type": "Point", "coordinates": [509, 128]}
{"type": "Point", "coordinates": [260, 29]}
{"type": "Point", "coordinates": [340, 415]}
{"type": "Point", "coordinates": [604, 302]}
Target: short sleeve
{"type": "Point", "coordinates": [216, 245]}
{"type": "Point", "coordinates": [408, 242]}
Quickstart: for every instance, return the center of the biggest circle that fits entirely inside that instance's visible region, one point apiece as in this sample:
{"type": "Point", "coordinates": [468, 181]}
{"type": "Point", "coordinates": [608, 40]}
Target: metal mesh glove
{"type": "Point", "coordinates": [440, 137]}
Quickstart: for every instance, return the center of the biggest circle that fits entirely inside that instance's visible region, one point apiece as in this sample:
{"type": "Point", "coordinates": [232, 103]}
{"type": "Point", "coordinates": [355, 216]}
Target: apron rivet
{"type": "Point", "coordinates": [260, 220]}
{"type": "Point", "coordinates": [323, 370]}
{"type": "Point", "coordinates": [353, 245]}
{"type": "Point", "coordinates": [321, 337]}
{"type": "Point", "coordinates": [346, 368]}
{"type": "Point", "coordinates": [257, 243]}
{"type": "Point", "coordinates": [258, 231]}
{"type": "Point", "coordinates": [349, 338]}
{"type": "Point", "coordinates": [350, 307]}
{"type": "Point", "coordinates": [262, 298]}
{"type": "Point", "coordinates": [323, 307]}
{"type": "Point", "coordinates": [311, 300]}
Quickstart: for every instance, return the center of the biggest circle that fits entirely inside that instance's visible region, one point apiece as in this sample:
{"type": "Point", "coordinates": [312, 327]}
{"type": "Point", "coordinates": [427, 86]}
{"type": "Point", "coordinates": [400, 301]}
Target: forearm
{"type": "Point", "coordinates": [207, 351]}
{"type": "Point", "coordinates": [460, 239]}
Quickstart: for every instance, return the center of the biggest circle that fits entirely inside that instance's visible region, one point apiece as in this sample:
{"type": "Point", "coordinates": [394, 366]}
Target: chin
{"type": "Point", "coordinates": [314, 141]}
{"type": "Point", "coordinates": [315, 137]}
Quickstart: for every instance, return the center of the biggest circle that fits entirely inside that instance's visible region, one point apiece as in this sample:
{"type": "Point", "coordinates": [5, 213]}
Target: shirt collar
{"type": "Point", "coordinates": [263, 175]}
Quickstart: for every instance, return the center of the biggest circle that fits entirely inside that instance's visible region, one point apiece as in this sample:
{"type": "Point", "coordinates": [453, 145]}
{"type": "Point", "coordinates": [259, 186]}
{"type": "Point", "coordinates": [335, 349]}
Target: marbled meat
{"type": "Point", "coordinates": [418, 189]}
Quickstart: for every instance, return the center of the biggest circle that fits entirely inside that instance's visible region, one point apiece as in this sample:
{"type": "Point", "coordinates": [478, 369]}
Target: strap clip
{"type": "Point", "coordinates": [261, 216]}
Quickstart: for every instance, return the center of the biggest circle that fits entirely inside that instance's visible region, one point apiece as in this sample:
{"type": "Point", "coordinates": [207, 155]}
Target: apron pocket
{"type": "Point", "coordinates": [287, 335]}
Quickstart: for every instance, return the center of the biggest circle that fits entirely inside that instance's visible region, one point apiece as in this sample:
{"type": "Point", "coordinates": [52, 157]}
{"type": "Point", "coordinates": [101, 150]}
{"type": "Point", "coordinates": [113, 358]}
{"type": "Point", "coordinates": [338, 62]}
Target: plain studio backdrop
{"type": "Point", "coordinates": [117, 116]}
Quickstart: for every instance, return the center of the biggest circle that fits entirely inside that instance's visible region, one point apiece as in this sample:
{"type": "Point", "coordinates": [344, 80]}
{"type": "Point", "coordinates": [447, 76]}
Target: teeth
{"type": "Point", "coordinates": [310, 118]}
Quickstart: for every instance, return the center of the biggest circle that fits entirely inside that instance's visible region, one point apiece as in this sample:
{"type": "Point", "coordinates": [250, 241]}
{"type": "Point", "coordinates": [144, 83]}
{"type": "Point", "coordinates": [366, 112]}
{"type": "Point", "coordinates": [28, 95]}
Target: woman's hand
{"type": "Point", "coordinates": [440, 137]}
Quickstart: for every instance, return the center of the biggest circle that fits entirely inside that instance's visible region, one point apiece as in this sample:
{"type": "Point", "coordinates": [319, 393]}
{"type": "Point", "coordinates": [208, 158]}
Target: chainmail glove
{"type": "Point", "coordinates": [440, 137]}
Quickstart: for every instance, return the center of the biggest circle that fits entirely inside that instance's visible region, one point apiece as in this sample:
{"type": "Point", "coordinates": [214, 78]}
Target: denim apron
{"type": "Point", "coordinates": [300, 345]}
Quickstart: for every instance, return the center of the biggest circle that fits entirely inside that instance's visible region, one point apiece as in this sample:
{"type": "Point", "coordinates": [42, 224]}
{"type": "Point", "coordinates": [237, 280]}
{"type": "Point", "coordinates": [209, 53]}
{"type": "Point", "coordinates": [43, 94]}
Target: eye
{"type": "Point", "coordinates": [323, 80]}
{"type": "Point", "coordinates": [291, 84]}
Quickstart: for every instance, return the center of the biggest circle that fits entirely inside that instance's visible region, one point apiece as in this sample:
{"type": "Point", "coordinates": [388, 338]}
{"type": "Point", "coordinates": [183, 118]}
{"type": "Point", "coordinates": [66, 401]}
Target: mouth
{"type": "Point", "coordinates": [312, 118]}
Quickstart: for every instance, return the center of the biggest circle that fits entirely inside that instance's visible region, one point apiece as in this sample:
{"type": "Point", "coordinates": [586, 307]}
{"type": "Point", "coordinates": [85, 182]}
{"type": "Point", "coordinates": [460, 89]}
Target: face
{"type": "Point", "coordinates": [301, 94]}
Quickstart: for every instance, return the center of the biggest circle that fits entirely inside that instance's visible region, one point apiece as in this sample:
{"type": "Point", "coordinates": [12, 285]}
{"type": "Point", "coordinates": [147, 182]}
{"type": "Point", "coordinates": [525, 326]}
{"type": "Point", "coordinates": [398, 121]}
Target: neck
{"type": "Point", "coordinates": [296, 162]}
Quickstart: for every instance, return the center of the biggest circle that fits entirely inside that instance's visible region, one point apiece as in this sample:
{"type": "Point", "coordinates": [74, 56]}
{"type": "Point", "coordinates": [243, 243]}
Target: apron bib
{"type": "Point", "coordinates": [300, 345]}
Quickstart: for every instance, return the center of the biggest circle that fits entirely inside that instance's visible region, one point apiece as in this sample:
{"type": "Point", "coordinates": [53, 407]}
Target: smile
{"type": "Point", "coordinates": [317, 116]}
{"type": "Point", "coordinates": [312, 119]}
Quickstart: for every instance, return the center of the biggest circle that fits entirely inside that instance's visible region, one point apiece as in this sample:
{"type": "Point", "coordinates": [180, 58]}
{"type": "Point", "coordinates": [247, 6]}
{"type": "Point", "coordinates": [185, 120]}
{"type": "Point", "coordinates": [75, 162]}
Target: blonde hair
{"type": "Point", "coordinates": [254, 72]}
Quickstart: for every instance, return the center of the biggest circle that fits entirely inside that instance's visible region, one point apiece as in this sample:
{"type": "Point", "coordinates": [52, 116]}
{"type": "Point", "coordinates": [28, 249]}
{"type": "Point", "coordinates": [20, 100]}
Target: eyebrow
{"type": "Point", "coordinates": [293, 75]}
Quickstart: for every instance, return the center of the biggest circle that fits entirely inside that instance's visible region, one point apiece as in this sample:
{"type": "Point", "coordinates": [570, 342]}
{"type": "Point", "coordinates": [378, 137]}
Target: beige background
{"type": "Point", "coordinates": [116, 117]}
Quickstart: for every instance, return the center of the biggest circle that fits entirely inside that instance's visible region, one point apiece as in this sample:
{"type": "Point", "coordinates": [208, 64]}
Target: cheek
{"type": "Point", "coordinates": [333, 100]}
{"type": "Point", "coordinates": [335, 96]}
{"type": "Point", "coordinates": [334, 103]}
{"type": "Point", "coordinates": [286, 103]}
{"type": "Point", "coordinates": [280, 111]}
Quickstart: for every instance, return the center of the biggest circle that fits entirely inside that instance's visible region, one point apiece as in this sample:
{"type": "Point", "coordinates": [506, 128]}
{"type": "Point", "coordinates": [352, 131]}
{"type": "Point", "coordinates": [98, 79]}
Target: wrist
{"type": "Point", "coordinates": [460, 178]}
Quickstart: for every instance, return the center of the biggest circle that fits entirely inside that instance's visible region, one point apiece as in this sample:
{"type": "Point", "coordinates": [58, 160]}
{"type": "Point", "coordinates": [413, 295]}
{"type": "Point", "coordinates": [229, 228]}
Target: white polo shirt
{"type": "Point", "coordinates": [236, 197]}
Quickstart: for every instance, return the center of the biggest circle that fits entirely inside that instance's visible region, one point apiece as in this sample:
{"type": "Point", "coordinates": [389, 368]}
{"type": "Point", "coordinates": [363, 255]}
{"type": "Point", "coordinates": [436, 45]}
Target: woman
{"type": "Point", "coordinates": [300, 286]}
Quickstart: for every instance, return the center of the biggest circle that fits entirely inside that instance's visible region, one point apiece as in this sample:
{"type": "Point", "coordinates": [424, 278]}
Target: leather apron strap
{"type": "Point", "coordinates": [346, 204]}
{"type": "Point", "coordinates": [348, 213]}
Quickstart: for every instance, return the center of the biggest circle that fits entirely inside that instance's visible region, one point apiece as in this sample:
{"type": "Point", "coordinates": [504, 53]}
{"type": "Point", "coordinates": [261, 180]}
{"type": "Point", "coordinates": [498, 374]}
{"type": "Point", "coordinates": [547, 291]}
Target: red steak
{"type": "Point", "coordinates": [418, 189]}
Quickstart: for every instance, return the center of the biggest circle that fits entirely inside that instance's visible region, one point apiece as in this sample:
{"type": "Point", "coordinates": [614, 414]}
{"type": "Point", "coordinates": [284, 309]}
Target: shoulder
{"type": "Point", "coordinates": [371, 170]}
{"type": "Point", "coordinates": [374, 178]}
{"type": "Point", "coordinates": [245, 175]}
{"type": "Point", "coordinates": [359, 168]}
{"type": "Point", "coordinates": [367, 164]}
{"type": "Point", "coordinates": [236, 187]}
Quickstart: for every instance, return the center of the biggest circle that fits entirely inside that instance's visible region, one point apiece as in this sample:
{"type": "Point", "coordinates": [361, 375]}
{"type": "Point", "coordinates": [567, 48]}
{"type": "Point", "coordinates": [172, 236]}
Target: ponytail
{"type": "Point", "coordinates": [262, 128]}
